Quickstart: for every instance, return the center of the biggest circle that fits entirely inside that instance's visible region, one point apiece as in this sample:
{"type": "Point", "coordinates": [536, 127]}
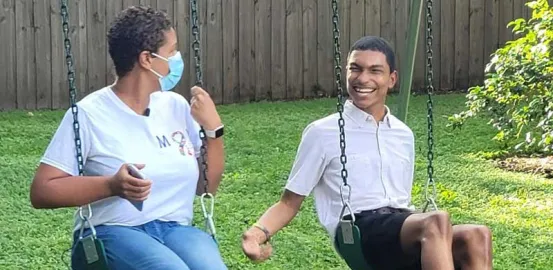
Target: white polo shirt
{"type": "Point", "coordinates": [380, 164]}
{"type": "Point", "coordinates": [166, 141]}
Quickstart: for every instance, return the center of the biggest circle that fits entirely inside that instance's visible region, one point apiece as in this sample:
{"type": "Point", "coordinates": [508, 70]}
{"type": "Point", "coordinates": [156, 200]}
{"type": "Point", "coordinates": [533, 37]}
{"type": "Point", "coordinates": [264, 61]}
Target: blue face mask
{"type": "Point", "coordinates": [176, 67]}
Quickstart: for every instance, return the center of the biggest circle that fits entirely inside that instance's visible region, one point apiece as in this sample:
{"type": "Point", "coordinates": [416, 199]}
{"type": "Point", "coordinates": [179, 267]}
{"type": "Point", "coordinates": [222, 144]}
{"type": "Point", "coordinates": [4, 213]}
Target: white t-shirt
{"type": "Point", "coordinates": [380, 164]}
{"type": "Point", "coordinates": [166, 141]}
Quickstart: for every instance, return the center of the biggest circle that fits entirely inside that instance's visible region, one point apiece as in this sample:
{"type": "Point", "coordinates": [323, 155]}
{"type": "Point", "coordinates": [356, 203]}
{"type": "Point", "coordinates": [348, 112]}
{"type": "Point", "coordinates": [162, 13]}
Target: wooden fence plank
{"type": "Point", "coordinates": [344, 13]}
{"type": "Point", "coordinates": [58, 74]}
{"type": "Point", "coordinates": [43, 53]}
{"type": "Point", "coordinates": [447, 74]}
{"type": "Point", "coordinates": [294, 40]}
{"type": "Point", "coordinates": [388, 27]}
{"type": "Point", "coordinates": [25, 53]}
{"type": "Point", "coordinates": [357, 22]}
{"type": "Point", "coordinates": [518, 5]}
{"type": "Point", "coordinates": [421, 57]}
{"type": "Point", "coordinates": [310, 61]}
{"type": "Point", "coordinates": [262, 49]}
{"type": "Point", "coordinates": [491, 28]}
{"type": "Point", "coordinates": [165, 6]}
{"type": "Point", "coordinates": [518, 12]}
{"type": "Point", "coordinates": [476, 19]}
{"type": "Point", "coordinates": [505, 16]}
{"type": "Point", "coordinates": [387, 22]}
{"type": "Point", "coordinates": [96, 21]}
{"type": "Point", "coordinates": [129, 3]}
{"type": "Point", "coordinates": [436, 43]}
{"type": "Point", "coordinates": [214, 63]}
{"type": "Point", "coordinates": [182, 25]}
{"type": "Point", "coordinates": [462, 44]}
{"type": "Point", "coordinates": [526, 12]}
{"type": "Point", "coordinates": [278, 49]}
{"type": "Point", "coordinates": [113, 7]}
{"type": "Point", "coordinates": [401, 20]}
{"type": "Point", "coordinates": [8, 54]}
{"type": "Point", "coordinates": [325, 49]}
{"type": "Point", "coordinates": [168, 7]}
{"type": "Point", "coordinates": [231, 80]}
{"type": "Point", "coordinates": [151, 3]}
{"type": "Point", "coordinates": [79, 38]}
{"type": "Point", "coordinates": [246, 50]}
{"type": "Point", "coordinates": [372, 17]}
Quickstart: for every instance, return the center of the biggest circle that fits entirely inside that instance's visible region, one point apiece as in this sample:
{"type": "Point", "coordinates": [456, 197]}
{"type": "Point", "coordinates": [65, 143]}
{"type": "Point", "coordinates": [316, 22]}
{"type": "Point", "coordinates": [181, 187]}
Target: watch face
{"type": "Point", "coordinates": [219, 133]}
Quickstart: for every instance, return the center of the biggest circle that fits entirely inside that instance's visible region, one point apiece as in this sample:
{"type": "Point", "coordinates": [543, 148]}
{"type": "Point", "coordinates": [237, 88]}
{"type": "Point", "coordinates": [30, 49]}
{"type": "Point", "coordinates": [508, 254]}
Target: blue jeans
{"type": "Point", "coordinates": [155, 245]}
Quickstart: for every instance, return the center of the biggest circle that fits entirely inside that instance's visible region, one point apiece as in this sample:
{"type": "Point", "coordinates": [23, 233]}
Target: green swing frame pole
{"type": "Point", "coordinates": [407, 66]}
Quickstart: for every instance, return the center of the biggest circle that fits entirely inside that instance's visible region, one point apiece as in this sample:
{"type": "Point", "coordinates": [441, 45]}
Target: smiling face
{"type": "Point", "coordinates": [368, 79]}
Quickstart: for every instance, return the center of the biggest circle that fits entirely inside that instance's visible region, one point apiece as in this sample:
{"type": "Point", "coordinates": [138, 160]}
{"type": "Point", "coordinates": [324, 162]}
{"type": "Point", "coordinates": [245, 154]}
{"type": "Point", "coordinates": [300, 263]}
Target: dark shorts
{"type": "Point", "coordinates": [380, 237]}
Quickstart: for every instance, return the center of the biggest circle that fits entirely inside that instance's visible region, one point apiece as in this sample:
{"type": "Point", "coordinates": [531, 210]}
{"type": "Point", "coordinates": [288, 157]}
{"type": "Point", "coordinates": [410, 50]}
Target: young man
{"type": "Point", "coordinates": [380, 164]}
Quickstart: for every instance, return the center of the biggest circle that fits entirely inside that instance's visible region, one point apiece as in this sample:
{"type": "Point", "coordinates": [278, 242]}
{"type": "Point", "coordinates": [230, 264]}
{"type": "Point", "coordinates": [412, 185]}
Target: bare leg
{"type": "Point", "coordinates": [430, 235]}
{"type": "Point", "coordinates": [472, 247]}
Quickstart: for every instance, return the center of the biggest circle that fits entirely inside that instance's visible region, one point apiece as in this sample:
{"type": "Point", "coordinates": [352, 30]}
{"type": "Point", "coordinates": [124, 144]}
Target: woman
{"type": "Point", "coordinates": [137, 120]}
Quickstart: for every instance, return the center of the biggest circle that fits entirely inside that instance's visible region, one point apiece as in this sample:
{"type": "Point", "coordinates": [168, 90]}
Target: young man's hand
{"type": "Point", "coordinates": [254, 245]}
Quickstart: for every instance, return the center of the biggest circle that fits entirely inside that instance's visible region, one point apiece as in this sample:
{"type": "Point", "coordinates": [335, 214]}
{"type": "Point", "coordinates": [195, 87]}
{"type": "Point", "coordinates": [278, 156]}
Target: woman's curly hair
{"type": "Point", "coordinates": [136, 29]}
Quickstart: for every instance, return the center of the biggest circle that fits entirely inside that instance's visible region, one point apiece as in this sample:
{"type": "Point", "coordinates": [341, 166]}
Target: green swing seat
{"type": "Point", "coordinates": [93, 250]}
{"type": "Point", "coordinates": [347, 239]}
{"type": "Point", "coordinates": [348, 244]}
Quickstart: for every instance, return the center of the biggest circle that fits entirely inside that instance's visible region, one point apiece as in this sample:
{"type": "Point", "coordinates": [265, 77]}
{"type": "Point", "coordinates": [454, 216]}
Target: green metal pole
{"type": "Point", "coordinates": [406, 76]}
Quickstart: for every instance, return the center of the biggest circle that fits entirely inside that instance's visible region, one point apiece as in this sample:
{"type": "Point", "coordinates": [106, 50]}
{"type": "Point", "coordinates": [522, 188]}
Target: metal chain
{"type": "Point", "coordinates": [73, 97]}
{"type": "Point", "coordinates": [208, 214]}
{"type": "Point", "coordinates": [341, 97]}
{"type": "Point", "coordinates": [199, 82]}
{"type": "Point", "coordinates": [196, 42]}
{"type": "Point", "coordinates": [430, 199]}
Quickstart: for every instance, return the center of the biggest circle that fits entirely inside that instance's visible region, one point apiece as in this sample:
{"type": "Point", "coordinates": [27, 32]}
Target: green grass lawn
{"type": "Point", "coordinates": [261, 141]}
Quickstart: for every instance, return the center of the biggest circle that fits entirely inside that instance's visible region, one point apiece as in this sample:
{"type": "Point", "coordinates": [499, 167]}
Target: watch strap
{"type": "Point", "coordinates": [213, 133]}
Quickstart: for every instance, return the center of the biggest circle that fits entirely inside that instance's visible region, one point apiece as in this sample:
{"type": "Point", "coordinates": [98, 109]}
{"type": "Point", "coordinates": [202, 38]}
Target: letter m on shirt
{"type": "Point", "coordinates": [163, 142]}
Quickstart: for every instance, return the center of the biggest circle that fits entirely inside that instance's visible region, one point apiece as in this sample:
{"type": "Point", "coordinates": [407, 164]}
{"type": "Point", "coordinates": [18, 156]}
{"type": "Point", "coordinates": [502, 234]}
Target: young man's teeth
{"type": "Point", "coordinates": [365, 90]}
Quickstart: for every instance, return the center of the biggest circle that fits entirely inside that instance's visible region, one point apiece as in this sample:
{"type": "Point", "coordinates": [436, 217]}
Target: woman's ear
{"type": "Point", "coordinates": [145, 60]}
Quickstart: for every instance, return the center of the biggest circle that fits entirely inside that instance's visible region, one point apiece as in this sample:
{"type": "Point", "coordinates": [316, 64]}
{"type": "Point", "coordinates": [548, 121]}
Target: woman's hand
{"type": "Point", "coordinates": [203, 109]}
{"type": "Point", "coordinates": [124, 185]}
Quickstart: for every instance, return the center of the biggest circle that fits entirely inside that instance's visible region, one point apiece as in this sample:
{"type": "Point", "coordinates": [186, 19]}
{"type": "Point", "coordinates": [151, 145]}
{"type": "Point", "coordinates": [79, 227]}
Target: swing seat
{"type": "Point", "coordinates": [92, 249]}
{"type": "Point", "coordinates": [348, 245]}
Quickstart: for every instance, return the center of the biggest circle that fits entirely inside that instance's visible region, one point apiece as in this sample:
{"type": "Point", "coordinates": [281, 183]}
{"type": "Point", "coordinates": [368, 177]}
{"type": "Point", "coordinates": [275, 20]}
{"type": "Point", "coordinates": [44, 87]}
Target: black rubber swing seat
{"type": "Point", "coordinates": [92, 249]}
{"type": "Point", "coordinates": [348, 245]}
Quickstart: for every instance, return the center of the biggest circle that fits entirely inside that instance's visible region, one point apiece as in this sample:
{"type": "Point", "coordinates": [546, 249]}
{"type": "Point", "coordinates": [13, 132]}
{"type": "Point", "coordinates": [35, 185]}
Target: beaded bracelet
{"type": "Point", "coordinates": [262, 228]}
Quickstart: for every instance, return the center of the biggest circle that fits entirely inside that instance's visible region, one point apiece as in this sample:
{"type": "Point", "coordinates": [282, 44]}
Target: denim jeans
{"type": "Point", "coordinates": [155, 245]}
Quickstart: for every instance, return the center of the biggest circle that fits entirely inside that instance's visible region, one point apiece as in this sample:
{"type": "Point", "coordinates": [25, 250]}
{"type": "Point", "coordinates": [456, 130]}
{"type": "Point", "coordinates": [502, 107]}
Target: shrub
{"type": "Point", "coordinates": [518, 90]}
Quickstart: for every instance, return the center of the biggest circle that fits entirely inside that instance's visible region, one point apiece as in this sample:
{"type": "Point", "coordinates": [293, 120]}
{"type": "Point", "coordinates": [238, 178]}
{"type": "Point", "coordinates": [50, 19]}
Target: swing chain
{"type": "Point", "coordinates": [340, 103]}
{"type": "Point", "coordinates": [196, 41]}
{"type": "Point", "coordinates": [73, 98]}
{"type": "Point", "coordinates": [430, 90]}
{"type": "Point", "coordinates": [199, 82]}
{"type": "Point", "coordinates": [208, 215]}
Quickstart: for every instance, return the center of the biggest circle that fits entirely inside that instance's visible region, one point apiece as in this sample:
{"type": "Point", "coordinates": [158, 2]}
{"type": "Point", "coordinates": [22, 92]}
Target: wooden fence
{"type": "Point", "coordinates": [251, 49]}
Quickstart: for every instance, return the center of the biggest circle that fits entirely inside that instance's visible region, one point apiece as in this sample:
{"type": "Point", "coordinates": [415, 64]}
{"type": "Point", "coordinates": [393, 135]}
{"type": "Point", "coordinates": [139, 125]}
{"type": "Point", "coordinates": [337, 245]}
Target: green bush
{"type": "Point", "coordinates": [518, 90]}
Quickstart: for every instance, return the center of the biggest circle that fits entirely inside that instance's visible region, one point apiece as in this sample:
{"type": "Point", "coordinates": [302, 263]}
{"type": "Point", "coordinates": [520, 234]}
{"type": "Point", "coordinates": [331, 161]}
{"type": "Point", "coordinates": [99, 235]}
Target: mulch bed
{"type": "Point", "coordinates": [533, 165]}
